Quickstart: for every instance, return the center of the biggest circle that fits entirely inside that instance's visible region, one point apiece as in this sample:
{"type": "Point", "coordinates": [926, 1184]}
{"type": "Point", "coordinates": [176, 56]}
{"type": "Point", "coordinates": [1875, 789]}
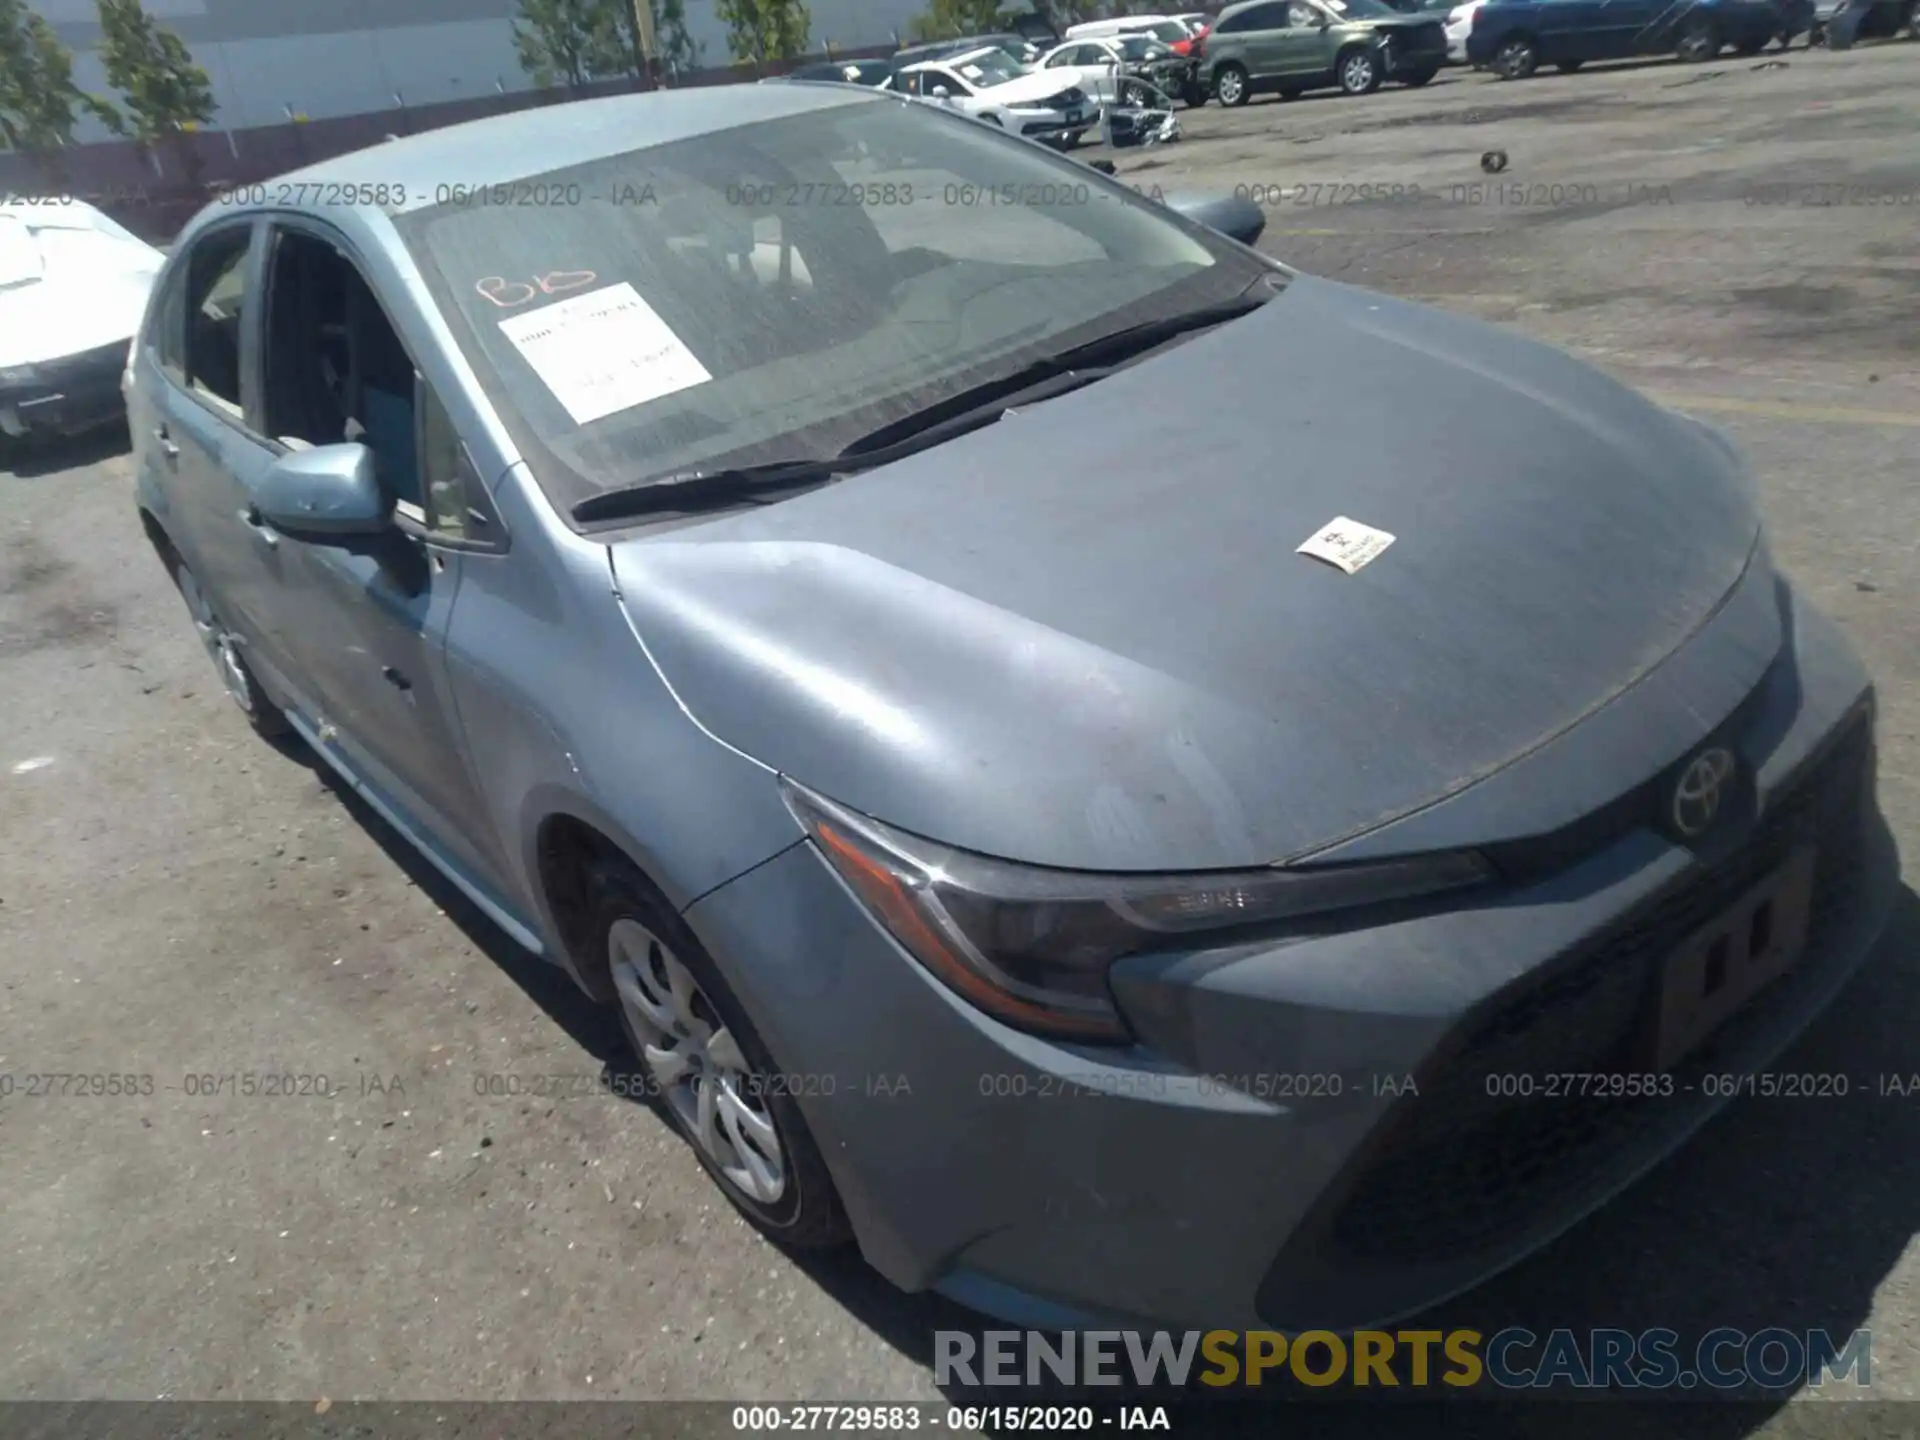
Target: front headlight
{"type": "Point", "coordinates": [1032, 946]}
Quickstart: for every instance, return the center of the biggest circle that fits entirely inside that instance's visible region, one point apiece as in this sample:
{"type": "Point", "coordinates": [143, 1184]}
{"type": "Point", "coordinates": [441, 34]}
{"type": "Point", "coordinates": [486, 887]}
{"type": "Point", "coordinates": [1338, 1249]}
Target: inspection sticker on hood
{"type": "Point", "coordinates": [1347, 544]}
{"type": "Point", "coordinates": [604, 351]}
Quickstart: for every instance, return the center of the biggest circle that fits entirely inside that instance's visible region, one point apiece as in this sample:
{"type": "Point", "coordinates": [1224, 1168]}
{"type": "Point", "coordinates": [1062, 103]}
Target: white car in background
{"type": "Point", "coordinates": [1459, 26]}
{"type": "Point", "coordinates": [1165, 28]}
{"type": "Point", "coordinates": [73, 290]}
{"type": "Point", "coordinates": [987, 84]}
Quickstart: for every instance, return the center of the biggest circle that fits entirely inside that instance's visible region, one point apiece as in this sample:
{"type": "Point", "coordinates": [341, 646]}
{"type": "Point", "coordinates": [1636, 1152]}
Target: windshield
{"type": "Point", "coordinates": [1169, 31]}
{"type": "Point", "coordinates": [1139, 47]}
{"type": "Point", "coordinates": [989, 68]}
{"type": "Point", "coordinates": [783, 288]}
{"type": "Point", "coordinates": [1360, 9]}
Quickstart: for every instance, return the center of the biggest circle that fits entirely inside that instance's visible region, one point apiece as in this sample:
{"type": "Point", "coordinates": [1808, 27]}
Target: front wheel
{"type": "Point", "coordinates": [705, 1066]}
{"type": "Point", "coordinates": [1699, 43]}
{"type": "Point", "coordinates": [1358, 72]}
{"type": "Point", "coordinates": [1134, 94]}
{"type": "Point", "coordinates": [1230, 86]}
{"type": "Point", "coordinates": [1195, 94]}
{"type": "Point", "coordinates": [1516, 59]}
{"type": "Point", "coordinates": [1416, 78]}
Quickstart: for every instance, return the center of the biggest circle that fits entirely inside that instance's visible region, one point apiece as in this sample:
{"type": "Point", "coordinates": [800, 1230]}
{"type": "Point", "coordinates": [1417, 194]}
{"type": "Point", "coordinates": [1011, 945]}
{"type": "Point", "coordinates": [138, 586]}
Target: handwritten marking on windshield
{"type": "Point", "coordinates": [510, 293]}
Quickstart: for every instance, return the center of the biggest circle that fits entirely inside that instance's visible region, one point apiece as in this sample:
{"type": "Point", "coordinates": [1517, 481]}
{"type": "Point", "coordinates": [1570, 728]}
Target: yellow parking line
{"type": "Point", "coordinates": [1784, 410]}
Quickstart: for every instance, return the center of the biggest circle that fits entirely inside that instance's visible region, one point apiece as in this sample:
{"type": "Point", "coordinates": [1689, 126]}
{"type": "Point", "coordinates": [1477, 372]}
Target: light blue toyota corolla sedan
{"type": "Point", "coordinates": [1076, 773]}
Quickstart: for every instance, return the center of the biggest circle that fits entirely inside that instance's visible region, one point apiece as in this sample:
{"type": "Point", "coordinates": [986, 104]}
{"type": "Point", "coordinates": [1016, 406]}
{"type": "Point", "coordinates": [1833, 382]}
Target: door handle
{"type": "Point", "coordinates": [167, 447]}
{"type": "Point", "coordinates": [257, 523]}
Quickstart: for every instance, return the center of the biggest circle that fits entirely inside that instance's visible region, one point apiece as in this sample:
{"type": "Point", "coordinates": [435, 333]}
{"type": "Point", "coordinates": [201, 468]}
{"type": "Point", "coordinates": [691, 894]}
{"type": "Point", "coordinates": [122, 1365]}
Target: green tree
{"type": "Point", "coordinates": [569, 42]}
{"type": "Point", "coordinates": [39, 103]}
{"type": "Point", "coordinates": [673, 44]}
{"type": "Point", "coordinates": [944, 19]}
{"type": "Point", "coordinates": [165, 92]}
{"type": "Point", "coordinates": [761, 30]}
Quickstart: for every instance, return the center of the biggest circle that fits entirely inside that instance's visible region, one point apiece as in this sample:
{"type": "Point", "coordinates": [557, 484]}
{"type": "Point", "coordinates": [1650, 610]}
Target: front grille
{"type": "Point", "coordinates": [1456, 1170]}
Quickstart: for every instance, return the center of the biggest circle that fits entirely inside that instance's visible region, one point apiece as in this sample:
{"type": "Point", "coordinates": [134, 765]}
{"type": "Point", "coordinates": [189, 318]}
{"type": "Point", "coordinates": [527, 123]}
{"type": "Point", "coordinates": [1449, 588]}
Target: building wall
{"type": "Point", "coordinates": [327, 58]}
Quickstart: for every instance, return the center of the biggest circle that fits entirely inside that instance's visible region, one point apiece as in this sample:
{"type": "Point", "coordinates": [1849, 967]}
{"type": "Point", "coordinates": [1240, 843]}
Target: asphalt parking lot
{"type": "Point", "coordinates": [178, 899]}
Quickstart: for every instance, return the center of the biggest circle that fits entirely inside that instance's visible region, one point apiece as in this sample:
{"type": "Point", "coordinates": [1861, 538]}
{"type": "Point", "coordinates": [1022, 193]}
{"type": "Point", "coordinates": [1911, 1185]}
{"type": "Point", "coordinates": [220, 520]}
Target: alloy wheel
{"type": "Point", "coordinates": [1231, 87]}
{"type": "Point", "coordinates": [695, 1063]}
{"type": "Point", "coordinates": [1357, 73]}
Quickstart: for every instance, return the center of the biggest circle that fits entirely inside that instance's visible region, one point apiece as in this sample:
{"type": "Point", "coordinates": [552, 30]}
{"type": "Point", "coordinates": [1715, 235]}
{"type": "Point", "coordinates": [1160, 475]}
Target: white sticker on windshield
{"type": "Point", "coordinates": [604, 351]}
{"type": "Point", "coordinates": [1347, 544]}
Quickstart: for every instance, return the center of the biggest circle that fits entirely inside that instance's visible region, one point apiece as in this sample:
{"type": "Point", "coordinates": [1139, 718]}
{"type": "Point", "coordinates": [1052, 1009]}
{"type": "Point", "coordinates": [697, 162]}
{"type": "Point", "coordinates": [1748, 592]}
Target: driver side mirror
{"type": "Point", "coordinates": [326, 495]}
{"type": "Point", "coordinates": [940, 92]}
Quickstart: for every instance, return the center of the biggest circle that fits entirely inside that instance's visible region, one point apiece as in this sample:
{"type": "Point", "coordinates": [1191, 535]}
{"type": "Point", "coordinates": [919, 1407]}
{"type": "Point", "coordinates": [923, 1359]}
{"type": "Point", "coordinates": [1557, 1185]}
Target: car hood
{"type": "Point", "coordinates": [90, 292]}
{"type": "Point", "coordinates": [1033, 89]}
{"type": "Point", "coordinates": [1083, 636]}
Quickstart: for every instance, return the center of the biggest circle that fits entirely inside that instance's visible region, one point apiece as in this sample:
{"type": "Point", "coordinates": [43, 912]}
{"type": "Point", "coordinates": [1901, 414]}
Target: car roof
{"type": "Point", "coordinates": [501, 149]}
{"type": "Point", "coordinates": [957, 57]}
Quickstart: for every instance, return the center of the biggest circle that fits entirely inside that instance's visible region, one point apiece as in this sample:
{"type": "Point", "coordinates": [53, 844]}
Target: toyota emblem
{"type": "Point", "coordinates": [1701, 790]}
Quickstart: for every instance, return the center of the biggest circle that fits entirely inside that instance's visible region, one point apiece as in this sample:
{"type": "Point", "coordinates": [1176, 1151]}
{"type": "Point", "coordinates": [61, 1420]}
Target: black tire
{"type": "Point", "coordinates": [224, 650]}
{"type": "Point", "coordinates": [1231, 86]}
{"type": "Point", "coordinates": [808, 1215]}
{"type": "Point", "coordinates": [1414, 79]}
{"type": "Point", "coordinates": [1195, 94]}
{"type": "Point", "coordinates": [1132, 92]}
{"type": "Point", "coordinates": [1358, 71]}
{"type": "Point", "coordinates": [1699, 42]}
{"type": "Point", "coordinates": [1516, 59]}
{"type": "Point", "coordinates": [1568, 67]}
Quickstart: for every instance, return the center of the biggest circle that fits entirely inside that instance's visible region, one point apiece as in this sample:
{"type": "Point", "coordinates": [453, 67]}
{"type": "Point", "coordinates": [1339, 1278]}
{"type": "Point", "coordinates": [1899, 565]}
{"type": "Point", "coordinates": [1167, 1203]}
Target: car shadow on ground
{"type": "Point", "coordinates": [1783, 1212]}
{"type": "Point", "coordinates": [590, 1026]}
{"type": "Point", "coordinates": [40, 458]}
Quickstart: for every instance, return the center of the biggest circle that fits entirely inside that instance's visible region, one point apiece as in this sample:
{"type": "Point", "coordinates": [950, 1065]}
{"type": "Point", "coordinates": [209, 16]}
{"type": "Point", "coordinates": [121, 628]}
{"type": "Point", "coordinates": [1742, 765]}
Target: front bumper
{"type": "Point", "coordinates": [1055, 1186]}
{"type": "Point", "coordinates": [1403, 60]}
{"type": "Point", "coordinates": [68, 395]}
{"type": "Point", "coordinates": [1059, 128]}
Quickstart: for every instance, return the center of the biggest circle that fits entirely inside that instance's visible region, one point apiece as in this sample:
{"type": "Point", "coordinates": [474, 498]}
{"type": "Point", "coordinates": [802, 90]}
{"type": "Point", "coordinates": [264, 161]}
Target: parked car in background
{"type": "Point", "coordinates": [1290, 46]}
{"type": "Point", "coordinates": [1016, 47]}
{"type": "Point", "coordinates": [1127, 70]}
{"type": "Point", "coordinates": [1161, 27]}
{"type": "Point", "coordinates": [73, 285]}
{"type": "Point", "coordinates": [1036, 29]}
{"type": "Point", "coordinates": [1838, 23]}
{"type": "Point", "coordinates": [1459, 25]}
{"type": "Point", "coordinates": [876, 74]}
{"type": "Point", "coordinates": [989, 86]}
{"type": "Point", "coordinates": [1197, 25]}
{"type": "Point", "coordinates": [1513, 38]}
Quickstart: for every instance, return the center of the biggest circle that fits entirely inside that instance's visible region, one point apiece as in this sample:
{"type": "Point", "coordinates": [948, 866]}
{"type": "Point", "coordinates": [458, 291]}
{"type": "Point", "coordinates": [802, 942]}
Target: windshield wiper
{"type": "Point", "coordinates": [701, 489]}
{"type": "Point", "coordinates": [971, 409]}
